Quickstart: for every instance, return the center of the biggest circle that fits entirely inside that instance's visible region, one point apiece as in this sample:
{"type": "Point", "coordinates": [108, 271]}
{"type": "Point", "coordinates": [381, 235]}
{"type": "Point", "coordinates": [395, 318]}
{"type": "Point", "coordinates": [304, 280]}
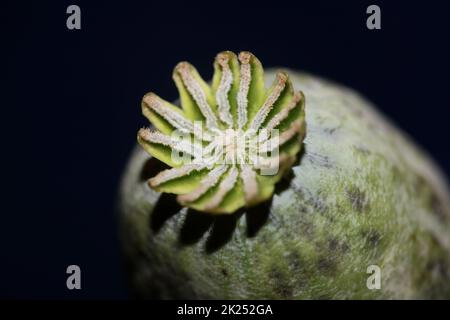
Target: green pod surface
{"type": "Point", "coordinates": [360, 194]}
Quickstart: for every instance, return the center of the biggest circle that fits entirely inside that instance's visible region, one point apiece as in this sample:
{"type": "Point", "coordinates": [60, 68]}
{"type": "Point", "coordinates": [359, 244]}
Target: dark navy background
{"type": "Point", "coordinates": [71, 106]}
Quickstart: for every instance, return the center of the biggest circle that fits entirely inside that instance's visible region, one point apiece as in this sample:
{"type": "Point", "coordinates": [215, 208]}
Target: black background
{"type": "Point", "coordinates": [71, 105]}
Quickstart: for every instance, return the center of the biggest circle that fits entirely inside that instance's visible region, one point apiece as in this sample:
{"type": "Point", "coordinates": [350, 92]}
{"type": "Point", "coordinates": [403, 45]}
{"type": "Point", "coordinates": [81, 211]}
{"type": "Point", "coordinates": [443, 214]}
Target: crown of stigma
{"type": "Point", "coordinates": [229, 143]}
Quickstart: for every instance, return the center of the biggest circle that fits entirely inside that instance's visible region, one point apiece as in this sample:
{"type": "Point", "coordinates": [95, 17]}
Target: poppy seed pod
{"type": "Point", "coordinates": [351, 194]}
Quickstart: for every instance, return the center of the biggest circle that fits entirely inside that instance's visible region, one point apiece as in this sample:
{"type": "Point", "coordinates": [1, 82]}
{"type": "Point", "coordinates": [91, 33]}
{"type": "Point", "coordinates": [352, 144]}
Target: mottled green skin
{"type": "Point", "coordinates": [361, 194]}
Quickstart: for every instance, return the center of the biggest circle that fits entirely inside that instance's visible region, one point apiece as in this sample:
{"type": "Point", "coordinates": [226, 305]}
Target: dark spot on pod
{"type": "Point", "coordinates": [294, 261]}
{"type": "Point", "coordinates": [318, 159]}
{"type": "Point", "coordinates": [362, 150]}
{"type": "Point", "coordinates": [264, 237]}
{"type": "Point", "coordinates": [353, 107]}
{"type": "Point", "coordinates": [281, 285]}
{"type": "Point", "coordinates": [317, 202]}
{"type": "Point", "coordinates": [308, 202]}
{"type": "Point", "coordinates": [357, 198]}
{"type": "Point", "coordinates": [297, 267]}
{"type": "Point", "coordinates": [397, 174]}
{"type": "Point", "coordinates": [358, 113]}
{"type": "Point", "coordinates": [224, 272]}
{"type": "Point", "coordinates": [277, 221]}
{"type": "Point", "coordinates": [301, 207]}
{"type": "Point", "coordinates": [319, 205]}
{"type": "Point", "coordinates": [285, 292]}
{"type": "Point", "coordinates": [327, 264]}
{"type": "Point", "coordinates": [439, 268]}
{"type": "Point", "coordinates": [372, 238]}
{"type": "Point", "coordinates": [300, 191]}
{"type": "Point", "coordinates": [420, 184]}
{"type": "Point", "coordinates": [345, 247]}
{"type": "Point", "coordinates": [333, 244]}
{"type": "Point", "coordinates": [437, 206]}
{"type": "Point", "coordinates": [377, 127]}
{"type": "Point", "coordinates": [336, 246]}
{"type": "Point", "coordinates": [330, 131]}
{"type": "Point", "coordinates": [307, 229]}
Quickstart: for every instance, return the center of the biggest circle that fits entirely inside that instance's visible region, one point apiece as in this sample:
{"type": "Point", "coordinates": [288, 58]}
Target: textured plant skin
{"type": "Point", "coordinates": [361, 194]}
{"type": "Point", "coordinates": [239, 138]}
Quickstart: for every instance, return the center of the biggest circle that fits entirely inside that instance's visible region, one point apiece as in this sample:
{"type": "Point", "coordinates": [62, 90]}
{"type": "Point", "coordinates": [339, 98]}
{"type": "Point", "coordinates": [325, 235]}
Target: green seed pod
{"type": "Point", "coordinates": [354, 193]}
